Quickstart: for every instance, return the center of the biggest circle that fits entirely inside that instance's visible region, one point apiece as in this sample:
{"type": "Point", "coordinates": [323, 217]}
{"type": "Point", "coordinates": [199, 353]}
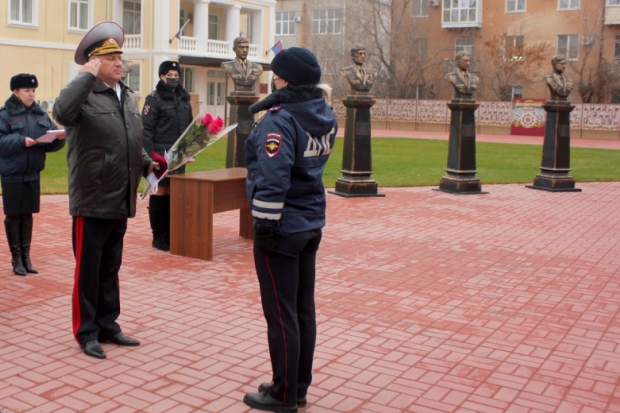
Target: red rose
{"type": "Point", "coordinates": [206, 120]}
{"type": "Point", "coordinates": [215, 126]}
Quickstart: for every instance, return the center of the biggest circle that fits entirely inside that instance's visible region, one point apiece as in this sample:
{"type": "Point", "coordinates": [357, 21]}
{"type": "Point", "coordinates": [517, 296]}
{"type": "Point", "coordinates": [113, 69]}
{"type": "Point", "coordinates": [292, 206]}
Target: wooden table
{"type": "Point", "coordinates": [194, 198]}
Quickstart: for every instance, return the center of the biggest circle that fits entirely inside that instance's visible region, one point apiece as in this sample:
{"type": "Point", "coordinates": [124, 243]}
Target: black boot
{"type": "Point", "coordinates": [157, 219]}
{"type": "Point", "coordinates": [11, 226]}
{"type": "Point", "coordinates": [25, 227]}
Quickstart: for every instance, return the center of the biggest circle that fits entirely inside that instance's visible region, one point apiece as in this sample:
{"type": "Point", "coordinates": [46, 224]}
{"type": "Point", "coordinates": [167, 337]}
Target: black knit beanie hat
{"type": "Point", "coordinates": [24, 81]}
{"type": "Point", "coordinates": [297, 65]}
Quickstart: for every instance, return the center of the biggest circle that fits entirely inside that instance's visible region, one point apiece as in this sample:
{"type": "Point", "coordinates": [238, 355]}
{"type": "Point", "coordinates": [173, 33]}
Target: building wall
{"type": "Point", "coordinates": [47, 48]}
{"type": "Point", "coordinates": [541, 22]}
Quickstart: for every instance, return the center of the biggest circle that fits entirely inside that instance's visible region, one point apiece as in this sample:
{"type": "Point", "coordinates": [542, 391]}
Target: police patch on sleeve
{"type": "Point", "coordinates": [273, 143]}
{"type": "Point", "coordinates": [147, 109]}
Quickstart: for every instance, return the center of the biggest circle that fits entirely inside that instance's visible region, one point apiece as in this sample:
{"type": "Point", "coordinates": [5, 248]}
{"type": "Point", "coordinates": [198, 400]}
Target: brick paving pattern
{"type": "Point", "coordinates": [426, 302]}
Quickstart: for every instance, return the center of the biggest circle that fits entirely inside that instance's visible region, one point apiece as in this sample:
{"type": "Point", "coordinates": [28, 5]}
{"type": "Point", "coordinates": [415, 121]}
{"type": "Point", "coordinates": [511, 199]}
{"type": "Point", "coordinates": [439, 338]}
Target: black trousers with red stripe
{"type": "Point", "coordinates": [98, 250]}
{"type": "Point", "coordinates": [287, 278]}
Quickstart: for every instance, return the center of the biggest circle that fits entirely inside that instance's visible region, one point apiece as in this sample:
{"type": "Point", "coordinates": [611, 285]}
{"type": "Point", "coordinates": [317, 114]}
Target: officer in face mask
{"type": "Point", "coordinates": [166, 114]}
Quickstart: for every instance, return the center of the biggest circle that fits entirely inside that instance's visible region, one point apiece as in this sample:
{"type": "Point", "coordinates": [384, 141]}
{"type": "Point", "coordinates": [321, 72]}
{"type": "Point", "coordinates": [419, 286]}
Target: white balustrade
{"type": "Point", "coordinates": [253, 52]}
{"type": "Point", "coordinates": [187, 43]}
{"type": "Point", "coordinates": [133, 41]}
{"type": "Point", "coordinates": [219, 47]}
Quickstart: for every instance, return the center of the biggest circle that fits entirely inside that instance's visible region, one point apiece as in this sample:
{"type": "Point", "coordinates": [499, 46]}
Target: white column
{"type": "Point", "coordinates": [233, 23]}
{"type": "Point", "coordinates": [161, 24]}
{"type": "Point", "coordinates": [257, 34]}
{"type": "Point", "coordinates": [201, 24]}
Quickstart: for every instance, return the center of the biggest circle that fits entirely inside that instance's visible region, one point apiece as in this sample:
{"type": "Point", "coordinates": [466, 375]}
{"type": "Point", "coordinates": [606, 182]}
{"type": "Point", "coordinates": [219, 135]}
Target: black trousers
{"type": "Point", "coordinates": [98, 251]}
{"type": "Point", "coordinates": [287, 279]}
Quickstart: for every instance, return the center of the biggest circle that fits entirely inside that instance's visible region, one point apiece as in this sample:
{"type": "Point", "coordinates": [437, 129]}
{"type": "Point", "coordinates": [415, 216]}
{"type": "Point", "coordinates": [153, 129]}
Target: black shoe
{"type": "Point", "coordinates": [121, 339]}
{"type": "Point", "coordinates": [93, 349]}
{"type": "Point", "coordinates": [265, 402]}
{"type": "Point", "coordinates": [264, 388]}
{"type": "Point", "coordinates": [161, 244]}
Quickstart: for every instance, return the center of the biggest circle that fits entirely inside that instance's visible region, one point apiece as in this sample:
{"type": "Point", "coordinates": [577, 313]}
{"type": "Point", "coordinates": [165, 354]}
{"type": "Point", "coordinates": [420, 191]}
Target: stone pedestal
{"type": "Point", "coordinates": [555, 164]}
{"type": "Point", "coordinates": [235, 152]}
{"type": "Point", "coordinates": [357, 155]}
{"type": "Point", "coordinates": [461, 178]}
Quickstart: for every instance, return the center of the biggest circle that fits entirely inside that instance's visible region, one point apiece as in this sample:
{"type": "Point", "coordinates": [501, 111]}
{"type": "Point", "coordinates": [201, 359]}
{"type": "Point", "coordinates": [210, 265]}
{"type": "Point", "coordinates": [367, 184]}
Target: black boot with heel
{"type": "Point", "coordinates": [25, 226]}
{"type": "Point", "coordinates": [11, 227]}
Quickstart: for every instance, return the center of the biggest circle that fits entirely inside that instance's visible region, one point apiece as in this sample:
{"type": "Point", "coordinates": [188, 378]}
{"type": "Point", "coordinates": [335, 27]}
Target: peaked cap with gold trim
{"type": "Point", "coordinates": [104, 38]}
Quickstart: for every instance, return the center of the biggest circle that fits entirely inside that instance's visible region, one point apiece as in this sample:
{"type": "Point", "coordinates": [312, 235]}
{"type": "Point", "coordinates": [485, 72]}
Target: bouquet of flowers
{"type": "Point", "coordinates": [201, 133]}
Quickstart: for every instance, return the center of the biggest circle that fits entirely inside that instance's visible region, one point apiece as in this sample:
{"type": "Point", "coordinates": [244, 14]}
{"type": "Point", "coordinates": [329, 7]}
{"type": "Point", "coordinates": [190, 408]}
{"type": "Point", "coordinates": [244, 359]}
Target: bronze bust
{"type": "Point", "coordinates": [559, 85]}
{"type": "Point", "coordinates": [465, 83]}
{"type": "Point", "coordinates": [360, 78]}
{"type": "Point", "coordinates": [243, 73]}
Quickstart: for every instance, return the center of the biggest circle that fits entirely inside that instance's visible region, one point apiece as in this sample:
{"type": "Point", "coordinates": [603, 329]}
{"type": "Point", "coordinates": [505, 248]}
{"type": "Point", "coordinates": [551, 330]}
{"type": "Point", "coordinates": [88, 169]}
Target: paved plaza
{"type": "Point", "coordinates": [427, 302]}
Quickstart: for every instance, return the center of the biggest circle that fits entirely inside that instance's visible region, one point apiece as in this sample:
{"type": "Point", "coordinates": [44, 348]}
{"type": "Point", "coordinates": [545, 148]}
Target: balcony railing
{"type": "Point", "coordinates": [253, 52]}
{"type": "Point", "coordinates": [187, 44]}
{"type": "Point", "coordinates": [133, 41]}
{"type": "Point", "coordinates": [214, 47]}
{"type": "Point", "coordinates": [218, 47]}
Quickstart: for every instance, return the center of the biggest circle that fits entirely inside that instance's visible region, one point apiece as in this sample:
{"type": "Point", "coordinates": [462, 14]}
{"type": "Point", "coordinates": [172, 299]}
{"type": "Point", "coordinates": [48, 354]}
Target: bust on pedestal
{"type": "Point", "coordinates": [461, 178]}
{"type": "Point", "coordinates": [244, 75]}
{"type": "Point", "coordinates": [357, 154]}
{"type": "Point", "coordinates": [555, 164]}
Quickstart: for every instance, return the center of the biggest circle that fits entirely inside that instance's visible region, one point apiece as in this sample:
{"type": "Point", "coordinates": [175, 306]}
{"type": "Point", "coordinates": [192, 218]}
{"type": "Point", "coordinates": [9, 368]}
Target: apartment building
{"type": "Point", "coordinates": [413, 42]}
{"type": "Point", "coordinates": [40, 37]}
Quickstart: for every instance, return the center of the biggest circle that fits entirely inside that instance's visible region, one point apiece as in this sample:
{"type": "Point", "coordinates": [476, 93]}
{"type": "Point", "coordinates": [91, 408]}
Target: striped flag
{"type": "Point", "coordinates": [276, 48]}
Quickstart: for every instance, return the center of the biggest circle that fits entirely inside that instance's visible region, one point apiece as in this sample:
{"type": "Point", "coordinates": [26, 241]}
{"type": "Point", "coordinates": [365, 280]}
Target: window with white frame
{"type": "Point", "coordinates": [613, 2]}
{"type": "Point", "coordinates": [132, 17]}
{"type": "Point", "coordinates": [285, 23]}
{"type": "Point", "coordinates": [517, 92]}
{"type": "Point", "coordinates": [617, 48]}
{"type": "Point", "coordinates": [327, 21]}
{"type": "Point", "coordinates": [460, 11]}
{"type": "Point", "coordinates": [133, 78]}
{"type": "Point", "coordinates": [23, 11]}
{"type": "Point", "coordinates": [79, 14]}
{"type": "Point", "coordinates": [568, 5]}
{"type": "Point", "coordinates": [568, 45]}
{"type": "Point", "coordinates": [420, 8]}
{"type": "Point", "coordinates": [188, 79]}
{"type": "Point", "coordinates": [513, 6]}
{"type": "Point", "coordinates": [465, 44]}
{"type": "Point", "coordinates": [214, 27]}
{"type": "Point", "coordinates": [513, 46]}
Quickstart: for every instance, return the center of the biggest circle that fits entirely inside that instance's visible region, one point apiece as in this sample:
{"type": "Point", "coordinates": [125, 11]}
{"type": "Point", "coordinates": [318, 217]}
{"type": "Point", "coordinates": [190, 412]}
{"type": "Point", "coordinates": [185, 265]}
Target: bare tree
{"type": "Point", "coordinates": [508, 62]}
{"type": "Point", "coordinates": [595, 75]}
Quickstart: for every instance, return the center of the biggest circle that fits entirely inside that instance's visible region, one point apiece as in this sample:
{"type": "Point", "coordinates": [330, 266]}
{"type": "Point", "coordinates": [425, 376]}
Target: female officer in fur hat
{"type": "Point", "coordinates": [166, 114]}
{"type": "Point", "coordinates": [285, 157]}
{"type": "Point", "coordinates": [22, 121]}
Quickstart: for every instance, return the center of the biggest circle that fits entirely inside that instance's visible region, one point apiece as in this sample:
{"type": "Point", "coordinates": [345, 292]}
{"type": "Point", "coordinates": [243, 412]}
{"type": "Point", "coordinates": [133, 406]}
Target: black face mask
{"type": "Point", "coordinates": [172, 82]}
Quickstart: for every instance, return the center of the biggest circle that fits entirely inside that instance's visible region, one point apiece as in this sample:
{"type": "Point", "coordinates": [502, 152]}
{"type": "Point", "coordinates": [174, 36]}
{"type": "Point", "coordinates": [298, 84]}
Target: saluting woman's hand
{"type": "Point", "coordinates": [30, 142]}
{"type": "Point", "coordinates": [61, 136]}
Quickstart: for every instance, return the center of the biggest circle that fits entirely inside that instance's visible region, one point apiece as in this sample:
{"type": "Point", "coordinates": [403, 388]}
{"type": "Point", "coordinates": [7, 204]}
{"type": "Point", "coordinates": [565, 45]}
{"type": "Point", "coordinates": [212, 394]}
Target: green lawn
{"type": "Point", "coordinates": [408, 162]}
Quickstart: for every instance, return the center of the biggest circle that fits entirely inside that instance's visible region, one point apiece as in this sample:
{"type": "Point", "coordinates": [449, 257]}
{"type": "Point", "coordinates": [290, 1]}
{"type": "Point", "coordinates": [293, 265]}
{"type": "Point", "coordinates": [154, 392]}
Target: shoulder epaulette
{"type": "Point", "coordinates": [153, 94]}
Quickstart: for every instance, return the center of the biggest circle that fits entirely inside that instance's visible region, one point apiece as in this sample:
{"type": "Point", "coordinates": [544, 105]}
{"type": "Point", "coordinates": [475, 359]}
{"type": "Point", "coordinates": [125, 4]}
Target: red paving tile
{"type": "Point", "coordinates": [426, 302]}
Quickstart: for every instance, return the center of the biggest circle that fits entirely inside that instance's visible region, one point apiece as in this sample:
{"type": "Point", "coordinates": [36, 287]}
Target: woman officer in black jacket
{"type": "Point", "coordinates": [167, 113]}
{"type": "Point", "coordinates": [22, 121]}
